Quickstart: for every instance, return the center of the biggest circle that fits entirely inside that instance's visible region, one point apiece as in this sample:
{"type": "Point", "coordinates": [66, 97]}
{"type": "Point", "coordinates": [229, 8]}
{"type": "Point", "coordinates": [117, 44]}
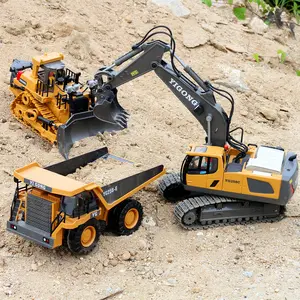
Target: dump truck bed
{"type": "Point", "coordinates": [38, 177]}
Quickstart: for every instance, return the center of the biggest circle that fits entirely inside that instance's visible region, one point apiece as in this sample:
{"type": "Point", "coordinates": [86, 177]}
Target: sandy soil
{"type": "Point", "coordinates": [166, 262]}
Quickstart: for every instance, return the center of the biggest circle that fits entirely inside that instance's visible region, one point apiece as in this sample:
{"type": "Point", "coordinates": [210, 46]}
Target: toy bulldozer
{"type": "Point", "coordinates": [50, 100]}
{"type": "Point", "coordinates": [51, 209]}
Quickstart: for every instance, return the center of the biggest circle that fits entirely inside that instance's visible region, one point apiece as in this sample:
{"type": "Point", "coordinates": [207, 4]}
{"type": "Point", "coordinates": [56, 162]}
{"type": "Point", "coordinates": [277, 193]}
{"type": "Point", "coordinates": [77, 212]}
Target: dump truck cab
{"type": "Point", "coordinates": [49, 207]}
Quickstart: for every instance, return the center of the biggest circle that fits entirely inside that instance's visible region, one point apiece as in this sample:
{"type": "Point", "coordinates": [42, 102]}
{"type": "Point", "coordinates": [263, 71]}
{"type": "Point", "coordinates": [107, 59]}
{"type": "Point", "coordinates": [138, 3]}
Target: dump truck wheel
{"type": "Point", "coordinates": [84, 238]}
{"type": "Point", "coordinates": [129, 217]}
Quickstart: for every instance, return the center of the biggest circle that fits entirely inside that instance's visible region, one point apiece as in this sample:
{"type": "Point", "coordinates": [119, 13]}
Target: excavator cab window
{"type": "Point", "coordinates": [202, 165]}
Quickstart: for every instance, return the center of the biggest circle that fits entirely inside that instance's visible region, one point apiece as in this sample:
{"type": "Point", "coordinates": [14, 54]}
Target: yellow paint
{"type": "Point", "coordinates": [38, 104]}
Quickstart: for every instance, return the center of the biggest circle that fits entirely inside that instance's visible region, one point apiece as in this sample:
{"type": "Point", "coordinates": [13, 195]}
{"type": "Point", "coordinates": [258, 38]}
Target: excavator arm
{"type": "Point", "coordinates": [146, 56]}
{"type": "Point", "coordinates": [197, 98]}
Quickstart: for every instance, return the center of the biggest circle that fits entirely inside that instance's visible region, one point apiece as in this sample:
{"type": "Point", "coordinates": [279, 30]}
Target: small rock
{"type": "Point", "coordinates": [128, 19]}
{"type": "Point", "coordinates": [126, 255]}
{"type": "Point", "coordinates": [35, 24]}
{"type": "Point", "coordinates": [110, 255]}
{"type": "Point", "coordinates": [171, 282]}
{"type": "Point", "coordinates": [268, 113]}
{"type": "Point", "coordinates": [208, 28]}
{"type": "Point", "coordinates": [177, 8]}
{"type": "Point", "coordinates": [14, 126]}
{"type": "Point", "coordinates": [34, 267]}
{"type": "Point", "coordinates": [2, 262]}
{"type": "Point", "coordinates": [170, 259]}
{"type": "Point", "coordinates": [2, 244]}
{"type": "Point", "coordinates": [142, 244]}
{"type": "Point", "coordinates": [276, 291]}
{"type": "Point", "coordinates": [194, 35]}
{"type": "Point", "coordinates": [248, 274]}
{"type": "Point", "coordinates": [258, 25]}
{"type": "Point", "coordinates": [196, 290]}
{"type": "Point", "coordinates": [105, 263]}
{"type": "Point", "coordinates": [241, 248]}
{"type": "Point", "coordinates": [138, 165]}
{"type": "Point", "coordinates": [168, 122]}
{"type": "Point", "coordinates": [8, 293]}
{"type": "Point", "coordinates": [158, 272]}
{"type": "Point", "coordinates": [235, 48]}
{"type": "Point", "coordinates": [3, 120]}
{"type": "Point", "coordinates": [244, 113]}
{"type": "Point", "coordinates": [148, 221]}
{"type": "Point", "coordinates": [113, 262]}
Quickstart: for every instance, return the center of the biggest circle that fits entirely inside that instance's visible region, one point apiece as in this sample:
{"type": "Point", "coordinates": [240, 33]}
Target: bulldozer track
{"type": "Point", "coordinates": [42, 109]}
{"type": "Point", "coordinates": [188, 205]}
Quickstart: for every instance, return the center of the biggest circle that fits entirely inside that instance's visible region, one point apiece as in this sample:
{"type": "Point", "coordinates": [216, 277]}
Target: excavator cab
{"type": "Point", "coordinates": [203, 168]}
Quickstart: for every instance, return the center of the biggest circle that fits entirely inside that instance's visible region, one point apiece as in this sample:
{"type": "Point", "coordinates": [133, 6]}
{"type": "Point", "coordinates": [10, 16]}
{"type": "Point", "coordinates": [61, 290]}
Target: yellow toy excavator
{"type": "Point", "coordinates": [221, 180]}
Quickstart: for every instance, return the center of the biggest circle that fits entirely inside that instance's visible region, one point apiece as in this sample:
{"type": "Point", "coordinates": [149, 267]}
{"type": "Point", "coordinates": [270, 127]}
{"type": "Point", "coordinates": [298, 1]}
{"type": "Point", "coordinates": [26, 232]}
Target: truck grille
{"type": "Point", "coordinates": [38, 212]}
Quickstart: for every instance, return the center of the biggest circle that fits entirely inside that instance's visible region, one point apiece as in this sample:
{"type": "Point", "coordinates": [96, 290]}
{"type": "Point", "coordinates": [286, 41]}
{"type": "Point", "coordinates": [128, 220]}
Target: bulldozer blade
{"type": "Point", "coordinates": [80, 126]}
{"type": "Point", "coordinates": [109, 110]}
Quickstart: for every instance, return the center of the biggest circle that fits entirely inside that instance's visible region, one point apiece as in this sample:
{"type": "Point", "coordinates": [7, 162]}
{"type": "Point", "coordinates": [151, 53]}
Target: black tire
{"type": "Point", "coordinates": [74, 237]}
{"type": "Point", "coordinates": [120, 212]}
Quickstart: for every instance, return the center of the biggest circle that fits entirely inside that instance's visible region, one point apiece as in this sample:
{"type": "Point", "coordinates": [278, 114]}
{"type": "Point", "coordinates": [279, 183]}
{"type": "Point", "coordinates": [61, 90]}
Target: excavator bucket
{"type": "Point", "coordinates": [108, 109]}
{"type": "Point", "coordinates": [107, 115]}
{"type": "Point", "coordinates": [80, 126]}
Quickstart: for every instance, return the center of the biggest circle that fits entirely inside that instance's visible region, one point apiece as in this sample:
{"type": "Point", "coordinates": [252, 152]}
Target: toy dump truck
{"type": "Point", "coordinates": [51, 209]}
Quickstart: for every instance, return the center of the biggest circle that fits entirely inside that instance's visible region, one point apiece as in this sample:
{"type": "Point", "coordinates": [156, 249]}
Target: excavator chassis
{"type": "Point", "coordinates": [199, 211]}
{"type": "Point", "coordinates": [213, 211]}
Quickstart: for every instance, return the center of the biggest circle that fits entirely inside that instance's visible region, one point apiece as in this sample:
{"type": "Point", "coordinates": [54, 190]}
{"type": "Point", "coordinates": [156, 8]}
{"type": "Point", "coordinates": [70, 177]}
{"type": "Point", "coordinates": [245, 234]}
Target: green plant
{"type": "Point", "coordinates": [298, 72]}
{"type": "Point", "coordinates": [256, 57]}
{"type": "Point", "coordinates": [207, 2]}
{"type": "Point", "coordinates": [282, 55]}
{"type": "Point", "coordinates": [240, 12]}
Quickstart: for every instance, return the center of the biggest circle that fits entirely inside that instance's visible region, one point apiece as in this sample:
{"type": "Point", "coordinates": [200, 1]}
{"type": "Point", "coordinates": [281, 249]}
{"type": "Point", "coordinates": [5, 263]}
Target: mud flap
{"type": "Point", "coordinates": [118, 189]}
{"type": "Point", "coordinates": [80, 126]}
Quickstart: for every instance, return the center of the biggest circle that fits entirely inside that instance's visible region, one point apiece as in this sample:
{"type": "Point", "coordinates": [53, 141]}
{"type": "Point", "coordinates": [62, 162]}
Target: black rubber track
{"type": "Point", "coordinates": [187, 205]}
{"type": "Point", "coordinates": [171, 188]}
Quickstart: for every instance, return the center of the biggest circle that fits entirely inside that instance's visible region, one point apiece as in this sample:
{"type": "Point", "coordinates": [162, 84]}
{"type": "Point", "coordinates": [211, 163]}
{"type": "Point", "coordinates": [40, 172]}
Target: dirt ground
{"type": "Point", "coordinates": [260, 261]}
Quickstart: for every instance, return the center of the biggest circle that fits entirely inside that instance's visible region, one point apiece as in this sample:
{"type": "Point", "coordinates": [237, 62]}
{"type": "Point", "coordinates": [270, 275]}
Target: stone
{"type": "Point", "coordinates": [14, 126]}
{"type": "Point", "coordinates": [142, 244]}
{"type": "Point", "coordinates": [208, 28]}
{"type": "Point", "coordinates": [138, 165]}
{"type": "Point", "coordinates": [171, 282]}
{"type": "Point", "coordinates": [34, 267]}
{"type": "Point", "coordinates": [126, 256]}
{"type": "Point", "coordinates": [194, 35]}
{"type": "Point", "coordinates": [241, 248]}
{"type": "Point", "coordinates": [232, 79]}
{"type": "Point", "coordinates": [3, 120]}
{"type": "Point", "coordinates": [148, 221]}
{"type": "Point", "coordinates": [110, 255]}
{"type": "Point", "coordinates": [170, 259]}
{"type": "Point", "coordinates": [169, 122]}
{"type": "Point", "coordinates": [268, 113]}
{"type": "Point", "coordinates": [158, 272]}
{"type": "Point", "coordinates": [258, 25]}
{"type": "Point", "coordinates": [248, 274]}
{"type": "Point", "coordinates": [176, 7]}
{"type": "Point", "coordinates": [235, 48]}
{"type": "Point", "coordinates": [105, 263]}
{"type": "Point", "coordinates": [195, 290]}
{"type": "Point", "coordinates": [113, 262]}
